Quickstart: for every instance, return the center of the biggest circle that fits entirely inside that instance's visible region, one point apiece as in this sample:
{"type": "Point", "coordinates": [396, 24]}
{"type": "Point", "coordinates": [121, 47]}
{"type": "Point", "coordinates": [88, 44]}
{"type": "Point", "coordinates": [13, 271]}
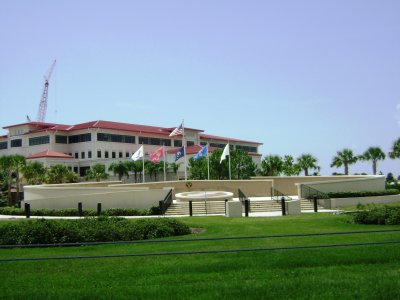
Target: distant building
{"type": "Point", "coordinates": [82, 145]}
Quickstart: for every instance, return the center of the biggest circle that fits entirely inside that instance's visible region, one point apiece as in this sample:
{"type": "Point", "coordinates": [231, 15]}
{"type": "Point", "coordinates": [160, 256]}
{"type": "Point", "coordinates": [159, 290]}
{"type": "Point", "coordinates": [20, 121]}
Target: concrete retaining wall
{"type": "Point", "coordinates": [341, 202]}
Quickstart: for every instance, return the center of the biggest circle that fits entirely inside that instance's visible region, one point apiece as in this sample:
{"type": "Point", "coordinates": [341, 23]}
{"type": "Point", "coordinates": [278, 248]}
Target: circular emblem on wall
{"type": "Point", "coordinates": [188, 185]}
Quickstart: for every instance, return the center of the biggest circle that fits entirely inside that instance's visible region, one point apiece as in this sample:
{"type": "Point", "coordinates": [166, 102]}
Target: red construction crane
{"type": "Point", "coordinates": [41, 116]}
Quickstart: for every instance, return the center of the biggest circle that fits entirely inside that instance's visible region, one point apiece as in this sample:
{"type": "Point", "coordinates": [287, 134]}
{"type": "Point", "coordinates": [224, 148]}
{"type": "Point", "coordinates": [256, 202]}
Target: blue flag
{"type": "Point", "coordinates": [180, 153]}
{"type": "Point", "coordinates": [203, 152]}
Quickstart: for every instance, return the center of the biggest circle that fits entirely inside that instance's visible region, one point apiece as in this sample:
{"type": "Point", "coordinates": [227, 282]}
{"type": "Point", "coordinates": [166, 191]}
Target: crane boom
{"type": "Point", "coordinates": [41, 116]}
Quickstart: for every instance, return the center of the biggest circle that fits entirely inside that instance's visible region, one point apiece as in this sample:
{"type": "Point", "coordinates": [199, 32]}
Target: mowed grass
{"type": "Point", "coordinates": [367, 272]}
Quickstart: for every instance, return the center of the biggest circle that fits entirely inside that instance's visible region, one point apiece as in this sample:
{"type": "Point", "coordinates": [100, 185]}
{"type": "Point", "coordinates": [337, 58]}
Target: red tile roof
{"type": "Point", "coordinates": [224, 139]}
{"type": "Point", "coordinates": [49, 153]}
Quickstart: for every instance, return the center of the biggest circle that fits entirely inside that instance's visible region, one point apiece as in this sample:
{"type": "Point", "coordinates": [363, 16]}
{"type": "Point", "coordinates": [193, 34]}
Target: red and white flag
{"type": "Point", "coordinates": [157, 154]}
{"type": "Point", "coordinates": [177, 131]}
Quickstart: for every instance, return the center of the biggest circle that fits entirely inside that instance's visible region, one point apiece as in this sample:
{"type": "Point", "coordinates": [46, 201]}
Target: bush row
{"type": "Point", "coordinates": [363, 193]}
{"type": "Point", "coordinates": [72, 212]}
{"type": "Point", "coordinates": [91, 229]}
{"type": "Point", "coordinates": [372, 214]}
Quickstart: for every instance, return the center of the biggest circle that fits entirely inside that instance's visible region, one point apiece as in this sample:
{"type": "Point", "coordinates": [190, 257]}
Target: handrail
{"type": "Point", "coordinates": [308, 192]}
{"type": "Point", "coordinates": [245, 201]}
{"type": "Point", "coordinates": [277, 195]}
{"type": "Point", "coordinates": [242, 196]}
{"type": "Point", "coordinates": [164, 204]}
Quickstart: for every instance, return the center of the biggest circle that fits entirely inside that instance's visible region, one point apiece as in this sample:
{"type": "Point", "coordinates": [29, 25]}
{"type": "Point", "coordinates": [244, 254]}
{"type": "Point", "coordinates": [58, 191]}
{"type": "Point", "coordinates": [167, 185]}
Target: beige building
{"type": "Point", "coordinates": [82, 145]}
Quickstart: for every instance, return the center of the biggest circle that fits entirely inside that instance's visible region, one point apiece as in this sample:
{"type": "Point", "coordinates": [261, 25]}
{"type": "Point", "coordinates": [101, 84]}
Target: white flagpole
{"type": "Point", "coordinates": [208, 162]}
{"type": "Point", "coordinates": [165, 174]}
{"type": "Point", "coordinates": [184, 147]}
{"type": "Point", "coordinates": [230, 177]}
{"type": "Point", "coordinates": [143, 165]}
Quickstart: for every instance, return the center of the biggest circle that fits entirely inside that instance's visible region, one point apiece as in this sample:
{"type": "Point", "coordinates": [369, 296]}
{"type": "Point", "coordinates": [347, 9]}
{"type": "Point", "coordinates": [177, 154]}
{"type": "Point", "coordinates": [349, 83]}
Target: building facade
{"type": "Point", "coordinates": [83, 145]}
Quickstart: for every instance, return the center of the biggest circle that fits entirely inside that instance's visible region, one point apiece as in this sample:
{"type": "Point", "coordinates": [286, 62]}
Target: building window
{"type": "Point", "coordinates": [247, 148]}
{"type": "Point", "coordinates": [61, 139]}
{"type": "Point", "coordinates": [115, 138]}
{"type": "Point", "coordinates": [83, 155]}
{"type": "Point", "coordinates": [76, 155]}
{"type": "Point", "coordinates": [120, 155]}
{"type": "Point", "coordinates": [80, 138]}
{"type": "Point", "coordinates": [189, 143]}
{"type": "Point", "coordinates": [3, 145]}
{"type": "Point", "coordinates": [113, 154]}
{"type": "Point", "coordinates": [39, 140]}
{"type": "Point", "coordinates": [105, 154]}
{"type": "Point", "coordinates": [98, 154]}
{"type": "Point", "coordinates": [89, 154]}
{"type": "Point", "coordinates": [16, 143]}
{"type": "Point", "coordinates": [177, 143]}
{"type": "Point", "coordinates": [203, 143]}
{"type": "Point", "coordinates": [154, 141]}
{"type": "Point", "coordinates": [76, 170]}
{"type": "Point", "coordinates": [127, 154]}
{"type": "Point", "coordinates": [216, 145]}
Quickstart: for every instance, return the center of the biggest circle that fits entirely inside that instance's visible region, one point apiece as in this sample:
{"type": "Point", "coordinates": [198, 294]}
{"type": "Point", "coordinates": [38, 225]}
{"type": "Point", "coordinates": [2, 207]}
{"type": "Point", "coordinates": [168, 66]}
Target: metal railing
{"type": "Point", "coordinates": [164, 204]}
{"type": "Point", "coordinates": [310, 193]}
{"type": "Point", "coordinates": [278, 195]}
{"type": "Point", "coordinates": [245, 201]}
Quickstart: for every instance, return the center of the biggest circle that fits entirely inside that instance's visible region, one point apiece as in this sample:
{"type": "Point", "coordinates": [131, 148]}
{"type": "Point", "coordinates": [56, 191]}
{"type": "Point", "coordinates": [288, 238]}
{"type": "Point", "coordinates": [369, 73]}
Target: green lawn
{"type": "Point", "coordinates": [325, 273]}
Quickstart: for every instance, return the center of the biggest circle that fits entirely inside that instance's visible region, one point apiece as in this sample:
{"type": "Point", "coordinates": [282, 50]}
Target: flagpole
{"type": "Point", "coordinates": [208, 162]}
{"type": "Point", "coordinates": [165, 175]}
{"type": "Point", "coordinates": [184, 147]}
{"type": "Point", "coordinates": [143, 165]}
{"type": "Point", "coordinates": [230, 177]}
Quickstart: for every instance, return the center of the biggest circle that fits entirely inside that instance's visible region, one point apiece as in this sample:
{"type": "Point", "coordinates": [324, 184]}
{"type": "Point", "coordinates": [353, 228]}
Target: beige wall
{"type": "Point", "coordinates": [341, 202]}
{"type": "Point", "coordinates": [252, 188]}
{"type": "Point", "coordinates": [65, 197]}
{"type": "Point", "coordinates": [287, 184]}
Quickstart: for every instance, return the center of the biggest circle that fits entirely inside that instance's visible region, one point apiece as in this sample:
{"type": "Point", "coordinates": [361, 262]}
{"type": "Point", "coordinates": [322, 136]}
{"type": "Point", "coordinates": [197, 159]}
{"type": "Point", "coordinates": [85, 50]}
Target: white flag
{"type": "Point", "coordinates": [225, 153]}
{"type": "Point", "coordinates": [138, 154]}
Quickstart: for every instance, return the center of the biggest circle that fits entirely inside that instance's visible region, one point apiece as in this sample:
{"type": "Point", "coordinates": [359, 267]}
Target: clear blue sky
{"type": "Point", "coordinates": [298, 76]}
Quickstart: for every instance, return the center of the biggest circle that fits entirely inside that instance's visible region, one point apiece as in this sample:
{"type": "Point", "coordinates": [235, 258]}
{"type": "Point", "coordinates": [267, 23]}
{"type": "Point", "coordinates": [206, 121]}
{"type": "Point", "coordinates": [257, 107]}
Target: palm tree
{"type": "Point", "coordinates": [136, 167]}
{"type": "Point", "coordinates": [97, 172]}
{"type": "Point", "coordinates": [175, 167]}
{"type": "Point", "coordinates": [34, 172]}
{"type": "Point", "coordinates": [119, 168]}
{"type": "Point", "coordinates": [344, 158]}
{"type": "Point", "coordinates": [373, 154]}
{"type": "Point", "coordinates": [307, 161]}
{"type": "Point", "coordinates": [6, 164]}
{"type": "Point", "coordinates": [289, 168]}
{"type": "Point", "coordinates": [271, 165]}
{"type": "Point", "coordinates": [57, 174]}
{"type": "Point", "coordinates": [395, 153]}
{"type": "Point", "coordinates": [18, 164]}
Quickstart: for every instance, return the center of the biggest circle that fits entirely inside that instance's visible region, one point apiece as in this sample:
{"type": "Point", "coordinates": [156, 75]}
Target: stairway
{"type": "Point", "coordinates": [199, 208]}
{"type": "Point", "coordinates": [308, 205]}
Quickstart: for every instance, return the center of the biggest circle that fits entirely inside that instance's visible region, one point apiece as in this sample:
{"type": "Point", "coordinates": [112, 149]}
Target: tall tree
{"type": "Point", "coordinates": [34, 172]}
{"type": "Point", "coordinates": [289, 167]}
{"type": "Point", "coordinates": [18, 164]}
{"type": "Point", "coordinates": [198, 168]}
{"type": "Point", "coordinates": [136, 167]}
{"type": "Point", "coordinates": [57, 174]}
{"type": "Point", "coordinates": [344, 158]}
{"type": "Point", "coordinates": [271, 165]}
{"type": "Point", "coordinates": [243, 166]}
{"type": "Point", "coordinates": [373, 154]}
{"type": "Point", "coordinates": [307, 161]}
{"type": "Point", "coordinates": [119, 168]}
{"type": "Point", "coordinates": [97, 172]}
{"type": "Point", "coordinates": [174, 167]}
{"type": "Point", "coordinates": [395, 153]}
{"type": "Point", "coordinates": [6, 164]}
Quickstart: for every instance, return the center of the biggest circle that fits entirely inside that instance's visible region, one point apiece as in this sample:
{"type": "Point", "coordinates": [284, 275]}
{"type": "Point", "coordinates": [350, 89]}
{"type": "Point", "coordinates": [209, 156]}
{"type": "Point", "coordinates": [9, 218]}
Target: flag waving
{"type": "Point", "coordinates": [177, 131]}
{"type": "Point", "coordinates": [138, 154]}
{"type": "Point", "coordinates": [225, 153]}
{"type": "Point", "coordinates": [180, 153]}
{"type": "Point", "coordinates": [157, 154]}
{"type": "Point", "coordinates": [203, 152]}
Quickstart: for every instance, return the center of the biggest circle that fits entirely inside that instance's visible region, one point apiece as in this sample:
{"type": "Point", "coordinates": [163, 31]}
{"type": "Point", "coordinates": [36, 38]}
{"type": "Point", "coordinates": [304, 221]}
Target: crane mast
{"type": "Point", "coordinates": [41, 116]}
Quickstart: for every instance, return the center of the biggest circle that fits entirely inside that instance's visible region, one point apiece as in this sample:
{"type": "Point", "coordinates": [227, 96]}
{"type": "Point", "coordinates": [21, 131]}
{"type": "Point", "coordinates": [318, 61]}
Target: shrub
{"type": "Point", "coordinates": [363, 193]}
{"type": "Point", "coordinates": [91, 229]}
{"type": "Point", "coordinates": [377, 215]}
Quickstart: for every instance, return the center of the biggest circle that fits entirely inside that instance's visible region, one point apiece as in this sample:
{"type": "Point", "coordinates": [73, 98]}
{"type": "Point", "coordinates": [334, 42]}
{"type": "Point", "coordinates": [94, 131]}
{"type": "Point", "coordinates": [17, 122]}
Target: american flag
{"type": "Point", "coordinates": [177, 131]}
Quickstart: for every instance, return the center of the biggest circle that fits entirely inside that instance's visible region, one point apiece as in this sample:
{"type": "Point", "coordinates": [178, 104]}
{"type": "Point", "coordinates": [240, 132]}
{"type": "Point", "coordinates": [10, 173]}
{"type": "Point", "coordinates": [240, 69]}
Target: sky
{"type": "Point", "coordinates": [300, 77]}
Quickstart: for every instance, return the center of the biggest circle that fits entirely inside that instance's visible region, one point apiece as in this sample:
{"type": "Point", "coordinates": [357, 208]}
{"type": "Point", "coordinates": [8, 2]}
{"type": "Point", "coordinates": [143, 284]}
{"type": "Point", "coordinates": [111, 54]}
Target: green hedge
{"type": "Point", "coordinates": [389, 215]}
{"type": "Point", "coordinates": [72, 212]}
{"type": "Point", "coordinates": [91, 229]}
{"type": "Point", "coordinates": [363, 193]}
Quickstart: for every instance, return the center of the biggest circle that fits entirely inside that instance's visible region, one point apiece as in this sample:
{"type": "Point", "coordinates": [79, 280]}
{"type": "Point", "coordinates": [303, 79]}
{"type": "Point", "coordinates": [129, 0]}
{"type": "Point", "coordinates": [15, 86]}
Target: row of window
{"type": "Point", "coordinates": [240, 147]}
{"type": "Point", "coordinates": [115, 138]}
{"type": "Point", "coordinates": [107, 154]}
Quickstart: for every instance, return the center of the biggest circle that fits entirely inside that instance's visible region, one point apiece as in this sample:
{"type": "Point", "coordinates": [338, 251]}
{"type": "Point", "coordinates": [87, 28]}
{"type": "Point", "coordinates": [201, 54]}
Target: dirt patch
{"type": "Point", "coordinates": [197, 230]}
